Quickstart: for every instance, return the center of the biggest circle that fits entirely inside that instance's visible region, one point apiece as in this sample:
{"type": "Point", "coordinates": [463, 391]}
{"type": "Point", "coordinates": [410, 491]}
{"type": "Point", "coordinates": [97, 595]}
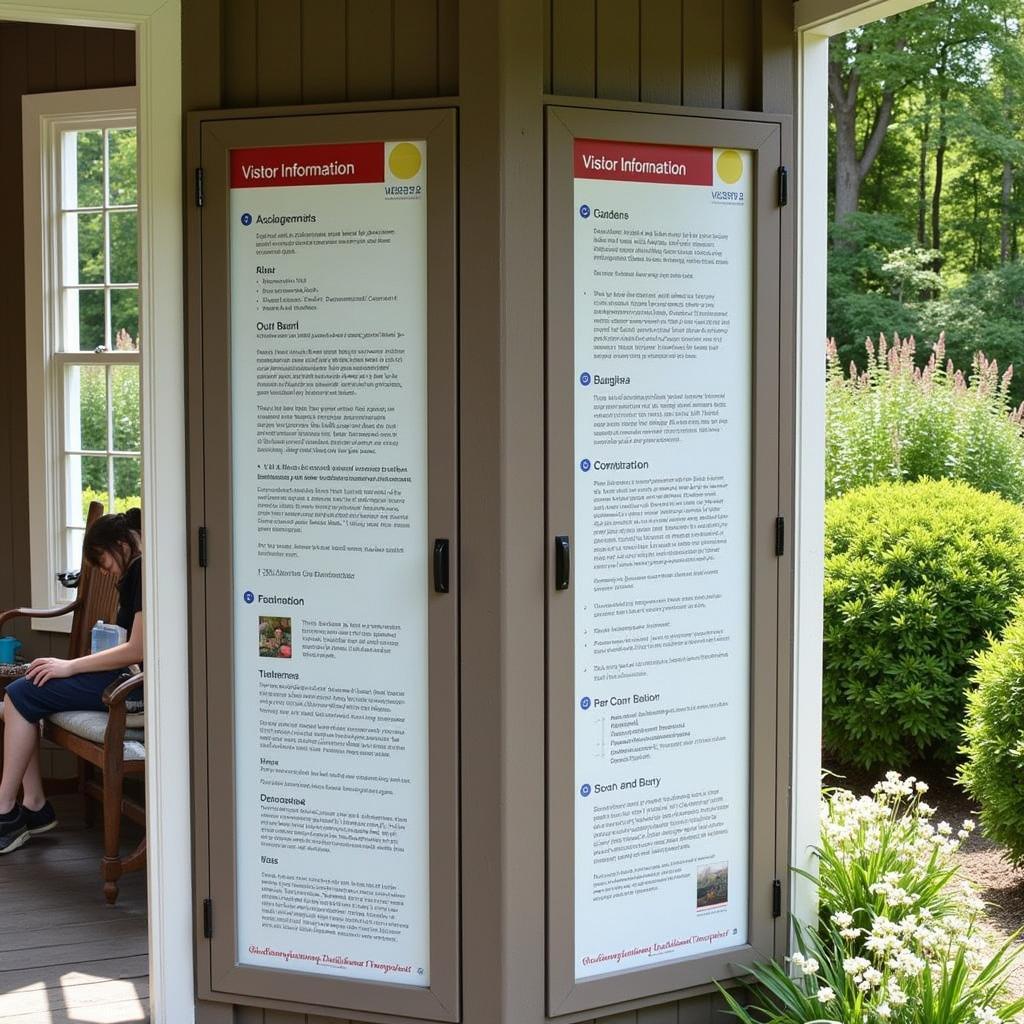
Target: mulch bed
{"type": "Point", "coordinates": [981, 861]}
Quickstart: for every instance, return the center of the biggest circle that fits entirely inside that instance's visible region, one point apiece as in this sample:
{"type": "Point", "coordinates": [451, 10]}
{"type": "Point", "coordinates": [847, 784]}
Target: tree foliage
{"type": "Point", "coordinates": [927, 154]}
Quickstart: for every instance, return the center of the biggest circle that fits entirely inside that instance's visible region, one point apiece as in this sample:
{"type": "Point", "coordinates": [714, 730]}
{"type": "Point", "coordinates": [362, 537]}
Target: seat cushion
{"type": "Point", "coordinates": [92, 725]}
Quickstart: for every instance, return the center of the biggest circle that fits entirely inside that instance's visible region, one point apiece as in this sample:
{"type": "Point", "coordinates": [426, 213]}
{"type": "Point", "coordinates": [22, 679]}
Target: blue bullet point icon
{"type": "Point", "coordinates": [584, 378]}
{"type": "Point", "coordinates": [584, 211]}
{"type": "Point", "coordinates": [585, 703]}
{"type": "Point", "coordinates": [246, 219]}
{"type": "Point", "coordinates": [585, 465]}
{"type": "Point", "coordinates": [248, 597]}
{"type": "Point", "coordinates": [585, 789]}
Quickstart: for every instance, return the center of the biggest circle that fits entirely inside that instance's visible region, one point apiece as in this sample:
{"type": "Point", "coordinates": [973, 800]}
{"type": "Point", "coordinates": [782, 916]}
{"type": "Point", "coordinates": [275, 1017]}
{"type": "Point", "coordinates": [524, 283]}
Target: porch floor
{"type": "Point", "coordinates": [65, 956]}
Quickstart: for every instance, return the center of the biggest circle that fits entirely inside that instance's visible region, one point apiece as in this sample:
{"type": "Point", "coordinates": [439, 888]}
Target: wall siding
{"type": "Point", "coordinates": [333, 51]}
{"type": "Point", "coordinates": [698, 53]}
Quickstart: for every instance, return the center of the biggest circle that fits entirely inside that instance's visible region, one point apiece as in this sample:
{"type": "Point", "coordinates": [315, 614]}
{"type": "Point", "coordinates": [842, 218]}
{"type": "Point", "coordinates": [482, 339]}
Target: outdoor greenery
{"type": "Point", "coordinates": [126, 427]}
{"type": "Point", "coordinates": [124, 303]}
{"type": "Point", "coordinates": [916, 577]}
{"type": "Point", "coordinates": [993, 771]}
{"type": "Point", "coordinates": [897, 940]}
{"type": "Point", "coordinates": [898, 421]}
{"type": "Point", "coordinates": [927, 154]}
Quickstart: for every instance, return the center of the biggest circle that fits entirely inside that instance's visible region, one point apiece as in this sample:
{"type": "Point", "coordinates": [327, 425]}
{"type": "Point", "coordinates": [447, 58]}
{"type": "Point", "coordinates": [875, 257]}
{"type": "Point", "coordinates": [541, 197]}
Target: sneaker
{"type": "Point", "coordinates": [38, 822]}
{"type": "Point", "coordinates": [14, 832]}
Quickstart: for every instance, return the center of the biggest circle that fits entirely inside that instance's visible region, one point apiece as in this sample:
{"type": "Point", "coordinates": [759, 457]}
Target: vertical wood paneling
{"type": "Point", "coordinates": [618, 49]}
{"type": "Point", "coordinates": [253, 1015]}
{"type": "Point", "coordinates": [14, 565]}
{"type": "Point", "coordinates": [702, 54]}
{"type": "Point", "coordinates": [668, 1014]}
{"type": "Point", "coordinates": [370, 39]}
{"type": "Point", "coordinates": [739, 66]}
{"type": "Point", "coordinates": [619, 1018]}
{"type": "Point", "coordinates": [201, 85]}
{"type": "Point", "coordinates": [695, 1011]}
{"type": "Point", "coordinates": [282, 1017]}
{"type": "Point", "coordinates": [42, 57]}
{"type": "Point", "coordinates": [124, 59]}
{"type": "Point", "coordinates": [415, 48]}
{"type": "Point", "coordinates": [573, 50]}
{"type": "Point", "coordinates": [661, 58]}
{"type": "Point", "coordinates": [278, 53]}
{"type": "Point", "coordinates": [775, 49]}
{"type": "Point", "coordinates": [99, 59]}
{"type": "Point", "coordinates": [323, 51]}
{"type": "Point", "coordinates": [70, 57]}
{"type": "Point", "coordinates": [241, 87]}
{"type": "Point", "coordinates": [448, 47]}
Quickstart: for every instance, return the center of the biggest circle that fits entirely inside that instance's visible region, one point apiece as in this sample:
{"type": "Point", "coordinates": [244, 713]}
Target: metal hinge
{"type": "Point", "coordinates": [776, 898]}
{"type": "Point", "coordinates": [204, 553]}
{"type": "Point", "coordinates": [200, 195]}
{"type": "Point", "coordinates": [783, 186]}
{"type": "Point", "coordinates": [208, 919]}
{"type": "Point", "coordinates": [780, 536]}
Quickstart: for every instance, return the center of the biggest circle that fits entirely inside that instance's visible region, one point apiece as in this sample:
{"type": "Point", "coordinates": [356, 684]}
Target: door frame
{"type": "Point", "coordinates": [157, 27]}
{"type": "Point", "coordinates": [814, 22]}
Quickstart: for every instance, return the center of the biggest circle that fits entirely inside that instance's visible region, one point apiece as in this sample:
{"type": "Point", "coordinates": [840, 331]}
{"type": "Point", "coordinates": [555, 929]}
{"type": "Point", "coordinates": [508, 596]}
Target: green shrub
{"type": "Point", "coordinates": [90, 494]}
{"type": "Point", "coordinates": [916, 576]}
{"type": "Point", "coordinates": [993, 772]}
{"type": "Point", "coordinates": [896, 421]}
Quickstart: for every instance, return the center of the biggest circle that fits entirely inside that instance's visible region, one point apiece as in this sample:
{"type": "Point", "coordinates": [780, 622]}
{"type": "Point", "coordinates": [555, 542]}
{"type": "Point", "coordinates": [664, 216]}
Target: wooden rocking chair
{"type": "Point", "coordinates": [110, 742]}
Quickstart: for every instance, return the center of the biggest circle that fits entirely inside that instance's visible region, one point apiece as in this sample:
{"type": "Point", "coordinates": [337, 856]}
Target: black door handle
{"type": "Point", "coordinates": [441, 565]}
{"type": "Point", "coordinates": [562, 560]}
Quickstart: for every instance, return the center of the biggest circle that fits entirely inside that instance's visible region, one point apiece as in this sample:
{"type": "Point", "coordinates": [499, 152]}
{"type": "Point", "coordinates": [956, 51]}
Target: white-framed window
{"type": "Point", "coordinates": [82, 320]}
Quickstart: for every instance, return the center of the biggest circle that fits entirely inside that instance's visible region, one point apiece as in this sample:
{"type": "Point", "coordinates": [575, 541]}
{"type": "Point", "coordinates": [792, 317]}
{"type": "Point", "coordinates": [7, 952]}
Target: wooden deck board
{"type": "Point", "coordinates": [65, 956]}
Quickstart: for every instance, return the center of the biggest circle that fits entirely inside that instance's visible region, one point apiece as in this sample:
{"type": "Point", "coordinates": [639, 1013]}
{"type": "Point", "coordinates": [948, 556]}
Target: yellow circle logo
{"type": "Point", "coordinates": [730, 166]}
{"type": "Point", "coordinates": [405, 160]}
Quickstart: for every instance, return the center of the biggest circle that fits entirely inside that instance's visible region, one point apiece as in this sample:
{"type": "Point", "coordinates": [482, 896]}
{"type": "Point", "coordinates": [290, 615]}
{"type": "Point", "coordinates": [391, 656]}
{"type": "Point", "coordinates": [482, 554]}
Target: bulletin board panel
{"type": "Point", "coordinates": [330, 782]}
{"type": "Point", "coordinates": [664, 292]}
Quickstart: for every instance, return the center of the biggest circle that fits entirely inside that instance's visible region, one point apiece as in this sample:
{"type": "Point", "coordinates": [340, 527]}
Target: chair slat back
{"type": "Point", "coordinates": [97, 596]}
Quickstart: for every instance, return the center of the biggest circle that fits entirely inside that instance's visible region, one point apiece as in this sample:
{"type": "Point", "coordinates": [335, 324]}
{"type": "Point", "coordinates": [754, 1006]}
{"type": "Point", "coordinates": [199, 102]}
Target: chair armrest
{"type": "Point", "coordinates": [39, 613]}
{"type": "Point", "coordinates": [118, 692]}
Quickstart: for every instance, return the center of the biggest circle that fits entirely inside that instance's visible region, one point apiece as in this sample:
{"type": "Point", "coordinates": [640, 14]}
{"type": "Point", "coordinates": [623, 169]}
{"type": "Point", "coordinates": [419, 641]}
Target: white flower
{"type": "Point", "coordinates": [810, 966]}
{"type": "Point", "coordinates": [986, 1015]}
{"type": "Point", "coordinates": [825, 994]}
{"type": "Point", "coordinates": [843, 919]}
{"type": "Point", "coordinates": [921, 787]}
{"type": "Point", "coordinates": [797, 960]}
{"type": "Point", "coordinates": [884, 1011]}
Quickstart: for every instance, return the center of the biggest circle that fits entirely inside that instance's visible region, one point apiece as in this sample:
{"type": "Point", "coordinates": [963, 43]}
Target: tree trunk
{"type": "Point", "coordinates": [940, 162]}
{"type": "Point", "coordinates": [1004, 213]}
{"type": "Point", "coordinates": [922, 186]}
{"type": "Point", "coordinates": [843, 96]}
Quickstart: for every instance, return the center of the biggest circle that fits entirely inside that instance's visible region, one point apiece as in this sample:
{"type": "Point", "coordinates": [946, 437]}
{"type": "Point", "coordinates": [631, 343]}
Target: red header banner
{"type": "Point", "coordinates": [642, 161]}
{"type": "Point", "coordinates": [349, 163]}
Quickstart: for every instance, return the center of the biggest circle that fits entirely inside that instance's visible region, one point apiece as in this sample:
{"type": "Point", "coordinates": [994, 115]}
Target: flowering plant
{"type": "Point", "coordinates": [897, 940]}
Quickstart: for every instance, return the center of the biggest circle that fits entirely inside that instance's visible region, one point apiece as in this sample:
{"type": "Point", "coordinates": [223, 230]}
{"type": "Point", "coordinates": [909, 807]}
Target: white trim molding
{"type": "Point", "coordinates": [157, 24]}
{"type": "Point", "coordinates": [44, 117]}
{"type": "Point", "coordinates": [830, 17]}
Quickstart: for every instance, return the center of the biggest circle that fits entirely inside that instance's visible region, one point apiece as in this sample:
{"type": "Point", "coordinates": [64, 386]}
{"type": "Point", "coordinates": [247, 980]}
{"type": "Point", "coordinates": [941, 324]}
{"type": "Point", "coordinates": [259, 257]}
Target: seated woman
{"type": "Point", "coordinates": [114, 543]}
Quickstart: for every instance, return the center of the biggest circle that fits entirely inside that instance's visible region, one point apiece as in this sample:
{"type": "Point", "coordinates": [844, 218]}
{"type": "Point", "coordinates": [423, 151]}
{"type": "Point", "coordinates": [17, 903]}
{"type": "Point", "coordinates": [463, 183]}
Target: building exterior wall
{"type": "Point", "coordinates": [515, 56]}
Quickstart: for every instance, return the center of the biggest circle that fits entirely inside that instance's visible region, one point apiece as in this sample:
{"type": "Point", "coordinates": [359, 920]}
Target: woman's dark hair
{"type": "Point", "coordinates": [114, 533]}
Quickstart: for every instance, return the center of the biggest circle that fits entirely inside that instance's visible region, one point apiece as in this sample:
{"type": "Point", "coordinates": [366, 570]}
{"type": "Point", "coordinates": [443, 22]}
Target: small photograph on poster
{"type": "Point", "coordinates": [712, 886]}
{"type": "Point", "coordinates": [275, 637]}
